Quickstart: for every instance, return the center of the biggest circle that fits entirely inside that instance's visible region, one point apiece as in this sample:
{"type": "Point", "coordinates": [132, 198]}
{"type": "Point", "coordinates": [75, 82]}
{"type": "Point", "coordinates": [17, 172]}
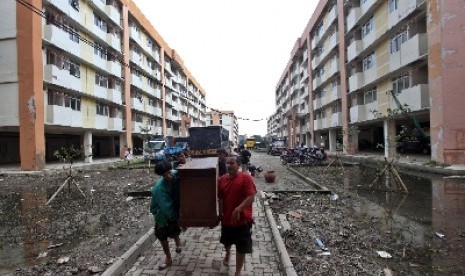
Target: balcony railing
{"type": "Point", "coordinates": [353, 17]}
{"type": "Point", "coordinates": [416, 97]}
{"type": "Point", "coordinates": [63, 116]}
{"type": "Point", "coordinates": [411, 50]}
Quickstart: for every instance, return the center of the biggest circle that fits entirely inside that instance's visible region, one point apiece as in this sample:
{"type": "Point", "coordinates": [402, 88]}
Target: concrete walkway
{"type": "Point", "coordinates": [203, 254]}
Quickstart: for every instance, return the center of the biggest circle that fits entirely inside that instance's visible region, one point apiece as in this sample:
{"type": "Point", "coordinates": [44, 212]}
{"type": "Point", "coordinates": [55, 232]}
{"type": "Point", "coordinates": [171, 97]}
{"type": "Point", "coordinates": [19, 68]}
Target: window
{"type": "Point", "coordinates": [369, 61]}
{"type": "Point", "coordinates": [393, 5]}
{"type": "Point", "coordinates": [101, 80]}
{"type": "Point", "coordinates": [73, 68]}
{"type": "Point", "coordinates": [73, 34]}
{"type": "Point", "coordinates": [368, 27]}
{"type": "Point", "coordinates": [400, 83]}
{"type": "Point", "coordinates": [99, 22]}
{"type": "Point", "coordinates": [370, 96]}
{"type": "Point", "coordinates": [399, 39]}
{"type": "Point", "coordinates": [100, 51]}
{"type": "Point", "coordinates": [64, 99]}
{"type": "Point", "coordinates": [101, 109]}
{"type": "Point", "coordinates": [74, 4]}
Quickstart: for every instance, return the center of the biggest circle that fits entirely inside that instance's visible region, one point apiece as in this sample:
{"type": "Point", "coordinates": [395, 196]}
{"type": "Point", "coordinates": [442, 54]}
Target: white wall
{"type": "Point", "coordinates": [9, 104]}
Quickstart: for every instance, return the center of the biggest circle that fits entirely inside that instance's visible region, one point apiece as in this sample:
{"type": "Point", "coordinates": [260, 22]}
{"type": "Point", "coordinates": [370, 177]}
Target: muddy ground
{"type": "Point", "coordinates": [87, 234]}
{"type": "Point", "coordinates": [73, 234]}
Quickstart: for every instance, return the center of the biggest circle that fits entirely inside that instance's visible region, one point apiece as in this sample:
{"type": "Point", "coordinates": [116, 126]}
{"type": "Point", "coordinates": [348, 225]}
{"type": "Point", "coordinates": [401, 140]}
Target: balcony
{"type": "Point", "coordinates": [316, 82]}
{"type": "Point", "coordinates": [336, 119]}
{"type": "Point", "coordinates": [61, 39]}
{"type": "Point", "coordinates": [334, 66]}
{"type": "Point", "coordinates": [316, 103]}
{"type": "Point", "coordinates": [410, 51]}
{"type": "Point", "coordinates": [353, 17]}
{"type": "Point", "coordinates": [315, 61]}
{"type": "Point", "coordinates": [99, 62]}
{"type": "Point", "coordinates": [100, 92]}
{"type": "Point", "coordinates": [114, 96]}
{"type": "Point", "coordinates": [369, 76]}
{"type": "Point", "coordinates": [115, 124]}
{"type": "Point", "coordinates": [326, 99]}
{"type": "Point", "coordinates": [136, 57]}
{"type": "Point", "coordinates": [99, 4]}
{"type": "Point", "coordinates": [135, 35]}
{"type": "Point", "coordinates": [137, 126]}
{"type": "Point", "coordinates": [317, 124]}
{"type": "Point", "coordinates": [357, 113]}
{"type": "Point", "coordinates": [356, 81]}
{"type": "Point", "coordinates": [61, 78]}
{"type": "Point", "coordinates": [137, 81]}
{"type": "Point", "coordinates": [335, 92]}
{"type": "Point", "coordinates": [114, 68]}
{"type": "Point", "coordinates": [101, 122]}
{"type": "Point", "coordinates": [354, 49]}
{"type": "Point", "coordinates": [369, 110]}
{"type": "Point", "coordinates": [368, 39]}
{"type": "Point", "coordinates": [114, 14]}
{"type": "Point", "coordinates": [63, 116]}
{"type": "Point", "coordinates": [114, 41]}
{"type": "Point", "coordinates": [137, 104]}
{"type": "Point", "coordinates": [332, 15]}
{"type": "Point", "coordinates": [98, 31]}
{"type": "Point", "coordinates": [416, 97]}
{"type": "Point", "coordinates": [66, 8]}
{"type": "Point", "coordinates": [370, 4]}
{"type": "Point", "coordinates": [404, 8]}
{"type": "Point", "coordinates": [332, 41]}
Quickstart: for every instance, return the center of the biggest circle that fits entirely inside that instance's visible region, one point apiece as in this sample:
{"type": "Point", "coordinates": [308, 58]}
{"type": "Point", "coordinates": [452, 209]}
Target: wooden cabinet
{"type": "Point", "coordinates": [199, 204]}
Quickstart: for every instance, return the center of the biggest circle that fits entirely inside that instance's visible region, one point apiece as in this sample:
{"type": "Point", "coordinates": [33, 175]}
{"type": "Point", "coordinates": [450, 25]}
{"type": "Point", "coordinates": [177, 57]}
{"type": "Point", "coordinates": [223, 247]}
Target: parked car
{"type": "Point", "coordinates": [422, 146]}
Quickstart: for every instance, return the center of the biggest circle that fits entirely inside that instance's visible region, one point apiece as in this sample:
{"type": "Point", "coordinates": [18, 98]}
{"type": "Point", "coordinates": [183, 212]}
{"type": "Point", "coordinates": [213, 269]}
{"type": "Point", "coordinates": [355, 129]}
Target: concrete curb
{"type": "Point", "coordinates": [320, 188]}
{"type": "Point", "coordinates": [288, 267]}
{"type": "Point", "coordinates": [127, 260]}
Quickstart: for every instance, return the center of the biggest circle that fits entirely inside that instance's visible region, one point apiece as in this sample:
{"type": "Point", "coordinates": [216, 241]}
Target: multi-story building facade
{"type": "Point", "coordinates": [88, 73]}
{"type": "Point", "coordinates": [364, 72]}
{"type": "Point", "coordinates": [227, 120]}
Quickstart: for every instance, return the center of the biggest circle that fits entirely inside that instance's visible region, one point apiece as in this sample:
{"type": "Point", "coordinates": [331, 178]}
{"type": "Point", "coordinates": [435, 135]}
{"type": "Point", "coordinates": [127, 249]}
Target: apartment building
{"type": "Point", "coordinates": [93, 74]}
{"type": "Point", "coordinates": [366, 73]}
{"type": "Point", "coordinates": [227, 120]}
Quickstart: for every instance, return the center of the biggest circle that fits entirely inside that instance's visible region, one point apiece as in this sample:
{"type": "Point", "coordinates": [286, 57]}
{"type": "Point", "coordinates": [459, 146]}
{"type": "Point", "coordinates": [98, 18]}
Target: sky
{"type": "Point", "coordinates": [236, 49]}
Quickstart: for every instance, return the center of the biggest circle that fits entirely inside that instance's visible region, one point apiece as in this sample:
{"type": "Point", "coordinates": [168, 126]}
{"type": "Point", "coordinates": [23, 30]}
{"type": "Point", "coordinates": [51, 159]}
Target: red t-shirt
{"type": "Point", "coordinates": [233, 190]}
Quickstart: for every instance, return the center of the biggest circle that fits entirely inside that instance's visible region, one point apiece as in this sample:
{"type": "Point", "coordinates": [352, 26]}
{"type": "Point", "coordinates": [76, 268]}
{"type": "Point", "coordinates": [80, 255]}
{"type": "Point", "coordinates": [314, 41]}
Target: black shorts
{"type": "Point", "coordinates": [240, 236]}
{"type": "Point", "coordinates": [172, 230]}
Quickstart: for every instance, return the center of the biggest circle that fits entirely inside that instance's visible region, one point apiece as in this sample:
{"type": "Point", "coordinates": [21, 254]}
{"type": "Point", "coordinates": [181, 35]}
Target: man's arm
{"type": "Point", "coordinates": [236, 215]}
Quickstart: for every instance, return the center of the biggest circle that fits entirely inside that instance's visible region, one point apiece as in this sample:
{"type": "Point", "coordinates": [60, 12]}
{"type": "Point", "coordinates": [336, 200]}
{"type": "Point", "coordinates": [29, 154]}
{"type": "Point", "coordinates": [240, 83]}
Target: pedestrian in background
{"type": "Point", "coordinates": [180, 160]}
{"type": "Point", "coordinates": [164, 206]}
{"type": "Point", "coordinates": [236, 193]}
{"type": "Point", "coordinates": [222, 155]}
{"type": "Point", "coordinates": [245, 159]}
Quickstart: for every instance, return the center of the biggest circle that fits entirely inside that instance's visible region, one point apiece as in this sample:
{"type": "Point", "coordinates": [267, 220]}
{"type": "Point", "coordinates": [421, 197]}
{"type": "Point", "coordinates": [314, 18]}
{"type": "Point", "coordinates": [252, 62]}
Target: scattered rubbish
{"type": "Point", "coordinates": [1, 179]}
{"type": "Point", "coordinates": [129, 198]}
{"type": "Point", "coordinates": [294, 214]}
{"type": "Point", "coordinates": [296, 196]}
{"type": "Point", "coordinates": [343, 234]}
{"type": "Point", "coordinates": [284, 223]}
{"type": "Point", "coordinates": [387, 272]}
{"type": "Point", "coordinates": [98, 172]}
{"type": "Point", "coordinates": [95, 269]}
{"type": "Point", "coordinates": [384, 254]}
{"type": "Point", "coordinates": [334, 197]}
{"type": "Point", "coordinates": [86, 176]}
{"type": "Point", "coordinates": [324, 253]}
{"type": "Point", "coordinates": [43, 255]}
{"type": "Point", "coordinates": [55, 245]}
{"type": "Point", "coordinates": [320, 244]}
{"type": "Point", "coordinates": [63, 260]}
{"type": "Point", "coordinates": [440, 235]}
{"type": "Point", "coordinates": [129, 184]}
{"type": "Point", "coordinates": [109, 262]}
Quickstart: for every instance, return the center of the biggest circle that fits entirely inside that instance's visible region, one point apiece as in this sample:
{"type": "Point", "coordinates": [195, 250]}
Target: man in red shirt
{"type": "Point", "coordinates": [236, 193]}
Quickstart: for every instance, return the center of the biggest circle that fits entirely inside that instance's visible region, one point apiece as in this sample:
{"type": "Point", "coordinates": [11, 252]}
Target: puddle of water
{"type": "Point", "coordinates": [433, 205]}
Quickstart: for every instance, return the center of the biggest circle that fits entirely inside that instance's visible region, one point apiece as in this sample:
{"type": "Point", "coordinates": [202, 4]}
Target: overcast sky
{"type": "Point", "coordinates": [235, 49]}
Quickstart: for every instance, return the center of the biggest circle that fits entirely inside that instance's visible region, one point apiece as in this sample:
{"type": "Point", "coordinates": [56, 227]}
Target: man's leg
{"type": "Point", "coordinates": [228, 254]}
{"type": "Point", "coordinates": [177, 241]}
{"type": "Point", "coordinates": [166, 250]}
{"type": "Point", "coordinates": [240, 259]}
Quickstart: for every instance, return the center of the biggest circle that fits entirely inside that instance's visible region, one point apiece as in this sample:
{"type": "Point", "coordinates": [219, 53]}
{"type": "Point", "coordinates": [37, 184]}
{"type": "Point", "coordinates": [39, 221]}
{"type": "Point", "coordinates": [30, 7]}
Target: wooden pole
{"type": "Point", "coordinates": [59, 189]}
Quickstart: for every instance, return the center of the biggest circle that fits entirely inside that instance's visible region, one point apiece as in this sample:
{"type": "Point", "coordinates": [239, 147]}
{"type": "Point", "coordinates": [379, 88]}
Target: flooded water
{"type": "Point", "coordinates": [429, 220]}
